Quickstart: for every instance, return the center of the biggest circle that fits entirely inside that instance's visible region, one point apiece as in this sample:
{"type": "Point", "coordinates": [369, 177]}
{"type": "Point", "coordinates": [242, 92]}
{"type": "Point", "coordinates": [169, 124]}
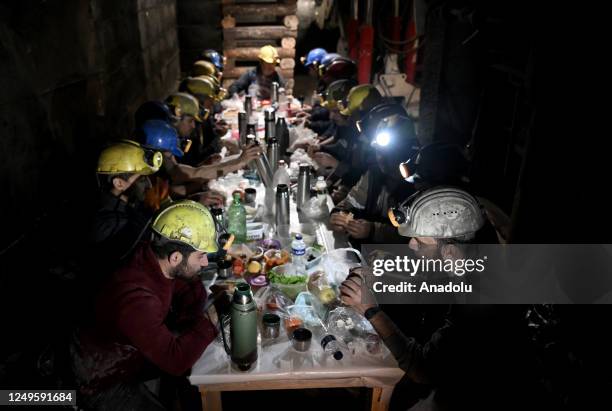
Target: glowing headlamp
{"type": "Point", "coordinates": [382, 139]}
{"type": "Point", "coordinates": [153, 158]}
{"type": "Point", "coordinates": [186, 145]}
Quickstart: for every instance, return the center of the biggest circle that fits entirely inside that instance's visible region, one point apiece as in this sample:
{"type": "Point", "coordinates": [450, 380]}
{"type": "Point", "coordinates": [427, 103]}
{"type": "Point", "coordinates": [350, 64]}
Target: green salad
{"type": "Point", "coordinates": [287, 279]}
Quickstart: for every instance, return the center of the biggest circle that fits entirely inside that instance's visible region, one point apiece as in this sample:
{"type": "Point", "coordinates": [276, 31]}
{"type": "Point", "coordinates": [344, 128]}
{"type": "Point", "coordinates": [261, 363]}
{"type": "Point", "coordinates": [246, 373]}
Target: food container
{"type": "Point", "coordinates": [224, 269]}
{"type": "Point", "coordinates": [291, 290]}
{"type": "Point", "coordinates": [301, 338]}
{"type": "Point", "coordinates": [275, 258]}
{"type": "Point", "coordinates": [270, 326]}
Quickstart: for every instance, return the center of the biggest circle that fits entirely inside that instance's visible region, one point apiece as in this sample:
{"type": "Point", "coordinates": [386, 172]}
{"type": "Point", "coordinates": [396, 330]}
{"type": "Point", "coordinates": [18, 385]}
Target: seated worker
{"type": "Point", "coordinates": [186, 180]}
{"type": "Point", "coordinates": [349, 155]}
{"type": "Point", "coordinates": [121, 218]}
{"type": "Point", "coordinates": [380, 188]}
{"type": "Point", "coordinates": [186, 114]}
{"type": "Point", "coordinates": [149, 318]}
{"type": "Point", "coordinates": [480, 357]}
{"type": "Point", "coordinates": [263, 75]}
{"type": "Point", "coordinates": [207, 142]}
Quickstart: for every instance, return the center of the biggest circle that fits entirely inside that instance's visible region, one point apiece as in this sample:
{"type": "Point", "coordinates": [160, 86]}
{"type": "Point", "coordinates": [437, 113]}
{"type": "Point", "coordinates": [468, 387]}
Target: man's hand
{"type": "Point", "coordinates": [325, 160]}
{"type": "Point", "coordinates": [359, 229]}
{"type": "Point", "coordinates": [249, 154]}
{"type": "Point", "coordinates": [212, 198]}
{"type": "Point", "coordinates": [354, 292]}
{"type": "Point", "coordinates": [337, 221]}
{"type": "Point", "coordinates": [312, 149]}
{"type": "Point", "coordinates": [231, 145]}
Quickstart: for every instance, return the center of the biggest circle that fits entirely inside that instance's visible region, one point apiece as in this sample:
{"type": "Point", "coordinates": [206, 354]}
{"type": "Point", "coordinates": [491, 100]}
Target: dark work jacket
{"type": "Point", "coordinates": [117, 229]}
{"type": "Point", "coordinates": [255, 76]}
{"type": "Point", "coordinates": [353, 157]}
{"type": "Point", "coordinates": [143, 321]}
{"type": "Point", "coordinates": [204, 143]}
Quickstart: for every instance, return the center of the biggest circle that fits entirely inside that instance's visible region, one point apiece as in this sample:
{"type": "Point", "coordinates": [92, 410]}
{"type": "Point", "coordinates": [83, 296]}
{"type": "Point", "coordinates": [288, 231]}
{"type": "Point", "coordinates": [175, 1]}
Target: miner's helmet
{"type": "Point", "coordinates": [361, 98]}
{"type": "Point", "coordinates": [184, 104]}
{"type": "Point", "coordinates": [442, 212]}
{"type": "Point", "coordinates": [268, 54]}
{"type": "Point", "coordinates": [188, 222]}
{"type": "Point", "coordinates": [128, 157]}
{"type": "Point", "coordinates": [214, 57]}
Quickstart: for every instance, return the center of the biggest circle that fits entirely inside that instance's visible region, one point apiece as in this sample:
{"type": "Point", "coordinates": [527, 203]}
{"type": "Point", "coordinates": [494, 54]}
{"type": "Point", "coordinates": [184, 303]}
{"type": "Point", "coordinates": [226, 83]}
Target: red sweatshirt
{"type": "Point", "coordinates": [132, 314]}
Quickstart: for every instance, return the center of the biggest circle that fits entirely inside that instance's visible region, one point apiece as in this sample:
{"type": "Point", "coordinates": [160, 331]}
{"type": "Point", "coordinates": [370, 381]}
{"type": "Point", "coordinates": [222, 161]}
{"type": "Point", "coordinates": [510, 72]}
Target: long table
{"type": "Point", "coordinates": [280, 367]}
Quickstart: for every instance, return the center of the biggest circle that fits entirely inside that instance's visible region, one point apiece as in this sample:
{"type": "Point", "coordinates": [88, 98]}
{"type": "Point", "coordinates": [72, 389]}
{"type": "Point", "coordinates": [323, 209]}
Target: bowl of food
{"type": "Point", "coordinates": [284, 278]}
{"type": "Point", "coordinates": [275, 258]}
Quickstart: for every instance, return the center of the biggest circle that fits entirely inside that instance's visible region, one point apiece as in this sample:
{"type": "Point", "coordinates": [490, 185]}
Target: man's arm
{"type": "Point", "coordinates": [182, 173]}
{"type": "Point", "coordinates": [142, 320]}
{"type": "Point", "coordinates": [242, 84]}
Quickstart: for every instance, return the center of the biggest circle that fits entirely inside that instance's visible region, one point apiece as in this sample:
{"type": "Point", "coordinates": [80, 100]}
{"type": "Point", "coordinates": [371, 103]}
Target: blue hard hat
{"type": "Point", "coordinates": [214, 57]}
{"type": "Point", "coordinates": [161, 136]}
{"type": "Point", "coordinates": [314, 56]}
{"type": "Point", "coordinates": [328, 58]}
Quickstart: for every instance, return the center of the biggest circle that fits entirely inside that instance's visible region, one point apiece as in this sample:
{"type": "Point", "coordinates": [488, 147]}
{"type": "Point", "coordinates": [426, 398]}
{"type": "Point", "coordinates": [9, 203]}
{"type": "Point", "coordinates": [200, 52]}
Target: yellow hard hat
{"type": "Point", "coordinates": [204, 68]}
{"type": "Point", "coordinates": [362, 97]}
{"type": "Point", "coordinates": [183, 104]}
{"type": "Point", "coordinates": [200, 86]}
{"type": "Point", "coordinates": [128, 156]}
{"type": "Point", "coordinates": [188, 222]}
{"type": "Point", "coordinates": [220, 92]}
{"type": "Point", "coordinates": [269, 54]}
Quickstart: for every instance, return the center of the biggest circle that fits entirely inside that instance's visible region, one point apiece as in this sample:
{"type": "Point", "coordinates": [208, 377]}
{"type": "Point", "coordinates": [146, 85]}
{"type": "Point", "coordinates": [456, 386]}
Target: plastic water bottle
{"type": "Point", "coordinates": [331, 347]}
{"type": "Point", "coordinates": [281, 175]}
{"type": "Point", "coordinates": [298, 254]}
{"type": "Point", "coordinates": [236, 220]}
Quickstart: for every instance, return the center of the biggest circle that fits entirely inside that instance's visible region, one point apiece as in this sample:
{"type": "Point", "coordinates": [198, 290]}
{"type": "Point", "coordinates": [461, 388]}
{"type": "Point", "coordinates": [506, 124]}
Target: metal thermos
{"type": "Point", "coordinates": [282, 205]}
{"type": "Point", "coordinates": [275, 87]}
{"type": "Point", "coordinates": [251, 129]}
{"type": "Point", "coordinates": [270, 118]}
{"type": "Point", "coordinates": [248, 107]}
{"type": "Point", "coordinates": [243, 328]}
{"type": "Point", "coordinates": [273, 154]}
{"type": "Point", "coordinates": [303, 191]}
{"type": "Point", "coordinates": [261, 164]}
{"type": "Point", "coordinates": [242, 127]}
{"type": "Point", "coordinates": [219, 217]}
{"type": "Point", "coordinates": [282, 134]}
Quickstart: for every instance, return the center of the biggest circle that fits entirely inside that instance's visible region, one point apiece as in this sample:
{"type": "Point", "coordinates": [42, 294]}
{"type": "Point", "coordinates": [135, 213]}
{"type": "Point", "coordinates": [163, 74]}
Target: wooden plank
{"type": "Point", "coordinates": [251, 53]}
{"type": "Point", "coordinates": [291, 384]}
{"type": "Point", "coordinates": [267, 9]}
{"type": "Point", "coordinates": [259, 32]}
{"type": "Point", "coordinates": [228, 22]}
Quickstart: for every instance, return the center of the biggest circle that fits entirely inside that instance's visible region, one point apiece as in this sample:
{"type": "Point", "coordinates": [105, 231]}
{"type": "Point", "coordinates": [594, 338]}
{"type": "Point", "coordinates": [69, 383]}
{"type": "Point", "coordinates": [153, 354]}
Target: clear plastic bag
{"type": "Point", "coordinates": [337, 263]}
{"type": "Point", "coordinates": [350, 327]}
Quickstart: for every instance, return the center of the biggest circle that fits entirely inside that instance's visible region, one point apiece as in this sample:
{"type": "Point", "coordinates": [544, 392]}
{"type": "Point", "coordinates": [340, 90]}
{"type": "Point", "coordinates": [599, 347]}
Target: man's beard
{"type": "Point", "coordinates": [183, 271]}
{"type": "Point", "coordinates": [136, 192]}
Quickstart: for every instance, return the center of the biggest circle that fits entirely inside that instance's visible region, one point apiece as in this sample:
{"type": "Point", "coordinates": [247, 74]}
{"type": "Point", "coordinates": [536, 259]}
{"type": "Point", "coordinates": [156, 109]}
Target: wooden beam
{"type": "Point", "coordinates": [287, 64]}
{"type": "Point", "coordinates": [259, 32]}
{"type": "Point", "coordinates": [288, 42]}
{"type": "Point", "coordinates": [251, 53]}
{"type": "Point", "coordinates": [265, 9]}
{"type": "Point", "coordinates": [291, 22]}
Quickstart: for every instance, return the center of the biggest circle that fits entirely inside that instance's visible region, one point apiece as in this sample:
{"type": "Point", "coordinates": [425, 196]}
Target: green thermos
{"type": "Point", "coordinates": [243, 328]}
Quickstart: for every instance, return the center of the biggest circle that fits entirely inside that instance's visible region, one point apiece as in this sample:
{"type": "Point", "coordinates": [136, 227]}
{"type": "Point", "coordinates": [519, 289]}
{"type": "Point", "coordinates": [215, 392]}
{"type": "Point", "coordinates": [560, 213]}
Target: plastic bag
{"type": "Point", "coordinates": [320, 287]}
{"type": "Point", "coordinates": [300, 135]}
{"type": "Point", "coordinates": [298, 157]}
{"type": "Point", "coordinates": [350, 327]}
{"type": "Point", "coordinates": [271, 299]}
{"type": "Point", "coordinates": [337, 263]}
{"type": "Point", "coordinates": [315, 209]}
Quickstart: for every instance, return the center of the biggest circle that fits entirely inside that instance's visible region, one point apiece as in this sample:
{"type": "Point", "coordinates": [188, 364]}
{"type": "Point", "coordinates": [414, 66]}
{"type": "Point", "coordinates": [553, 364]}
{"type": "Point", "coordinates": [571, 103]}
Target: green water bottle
{"type": "Point", "coordinates": [236, 220]}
